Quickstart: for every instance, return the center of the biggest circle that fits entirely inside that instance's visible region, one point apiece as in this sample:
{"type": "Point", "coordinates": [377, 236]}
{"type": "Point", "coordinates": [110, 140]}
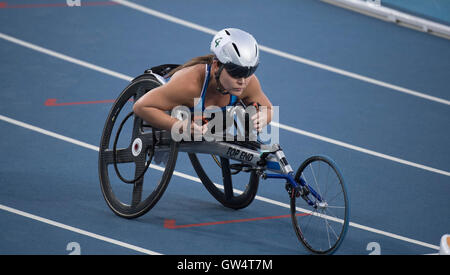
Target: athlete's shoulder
{"type": "Point", "coordinates": [191, 73]}
{"type": "Point", "coordinates": [189, 78]}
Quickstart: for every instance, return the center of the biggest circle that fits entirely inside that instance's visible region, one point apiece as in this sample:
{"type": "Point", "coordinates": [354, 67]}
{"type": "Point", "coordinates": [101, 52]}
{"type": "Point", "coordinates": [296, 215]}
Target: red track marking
{"type": "Point", "coordinates": [4, 5]}
{"type": "Point", "coordinates": [170, 224]}
{"type": "Point", "coordinates": [52, 102]}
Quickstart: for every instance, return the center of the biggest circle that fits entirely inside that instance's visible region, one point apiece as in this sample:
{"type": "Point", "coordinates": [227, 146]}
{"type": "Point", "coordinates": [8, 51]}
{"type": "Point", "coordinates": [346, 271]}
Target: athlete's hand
{"type": "Point", "coordinates": [261, 118]}
{"type": "Point", "coordinates": [199, 126]}
{"type": "Point", "coordinates": [187, 129]}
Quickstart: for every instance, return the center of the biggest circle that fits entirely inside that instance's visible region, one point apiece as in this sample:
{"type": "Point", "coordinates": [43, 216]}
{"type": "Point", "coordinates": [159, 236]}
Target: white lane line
{"type": "Point", "coordinates": [359, 226]}
{"type": "Point", "coordinates": [394, 236]}
{"type": "Point", "coordinates": [64, 57]}
{"type": "Point", "coordinates": [282, 126]}
{"type": "Point", "coordinates": [352, 224]}
{"type": "Point", "coordinates": [48, 133]}
{"type": "Point", "coordinates": [165, 16]}
{"type": "Point", "coordinates": [359, 149]}
{"type": "Point", "coordinates": [192, 178]}
{"type": "Point", "coordinates": [282, 54]}
{"type": "Point", "coordinates": [78, 230]}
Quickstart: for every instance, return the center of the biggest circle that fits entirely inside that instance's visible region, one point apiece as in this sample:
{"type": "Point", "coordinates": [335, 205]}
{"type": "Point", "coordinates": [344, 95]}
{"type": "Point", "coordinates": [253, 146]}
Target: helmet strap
{"type": "Point", "coordinates": [220, 87]}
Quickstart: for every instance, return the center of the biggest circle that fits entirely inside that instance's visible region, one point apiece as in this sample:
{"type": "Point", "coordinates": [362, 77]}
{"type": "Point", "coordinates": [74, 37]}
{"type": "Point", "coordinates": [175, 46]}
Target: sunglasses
{"type": "Point", "coordinates": [236, 71]}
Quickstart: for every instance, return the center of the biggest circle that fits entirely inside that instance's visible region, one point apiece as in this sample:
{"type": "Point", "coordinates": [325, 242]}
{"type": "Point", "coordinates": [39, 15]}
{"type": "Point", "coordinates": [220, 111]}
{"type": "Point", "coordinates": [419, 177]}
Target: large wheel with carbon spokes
{"type": "Point", "coordinates": [322, 227]}
{"type": "Point", "coordinates": [237, 191]}
{"type": "Point", "coordinates": [136, 161]}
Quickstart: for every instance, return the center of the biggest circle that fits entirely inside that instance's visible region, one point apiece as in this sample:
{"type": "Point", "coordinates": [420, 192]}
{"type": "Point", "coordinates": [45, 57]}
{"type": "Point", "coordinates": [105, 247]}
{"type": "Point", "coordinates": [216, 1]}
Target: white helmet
{"type": "Point", "coordinates": [237, 50]}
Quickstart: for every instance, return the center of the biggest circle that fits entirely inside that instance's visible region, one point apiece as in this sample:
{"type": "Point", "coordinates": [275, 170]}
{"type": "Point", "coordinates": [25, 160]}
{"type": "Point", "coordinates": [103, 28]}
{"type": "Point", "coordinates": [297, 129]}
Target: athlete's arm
{"type": "Point", "coordinates": [183, 87]}
{"type": "Point", "coordinates": [254, 93]}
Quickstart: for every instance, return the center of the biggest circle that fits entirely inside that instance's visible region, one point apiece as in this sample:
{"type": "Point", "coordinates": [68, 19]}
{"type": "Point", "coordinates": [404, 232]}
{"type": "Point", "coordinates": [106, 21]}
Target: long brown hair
{"type": "Point", "coordinates": [205, 59]}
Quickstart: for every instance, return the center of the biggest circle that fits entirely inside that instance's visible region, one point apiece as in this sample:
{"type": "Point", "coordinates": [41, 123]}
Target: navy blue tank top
{"type": "Point", "coordinates": [200, 105]}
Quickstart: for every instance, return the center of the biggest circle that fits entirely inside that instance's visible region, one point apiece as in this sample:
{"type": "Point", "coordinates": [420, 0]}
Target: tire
{"type": "Point", "coordinates": [321, 230]}
{"type": "Point", "coordinates": [131, 196]}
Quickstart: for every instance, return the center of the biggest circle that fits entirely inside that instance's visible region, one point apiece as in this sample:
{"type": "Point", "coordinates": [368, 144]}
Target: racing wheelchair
{"type": "Point", "coordinates": [319, 202]}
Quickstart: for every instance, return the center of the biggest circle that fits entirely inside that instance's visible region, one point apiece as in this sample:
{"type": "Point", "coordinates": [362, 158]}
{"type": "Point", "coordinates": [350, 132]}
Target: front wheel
{"type": "Point", "coordinates": [322, 226]}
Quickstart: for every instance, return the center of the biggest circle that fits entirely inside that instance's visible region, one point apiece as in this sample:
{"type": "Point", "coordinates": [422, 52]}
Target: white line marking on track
{"type": "Point", "coordinates": [77, 230]}
{"type": "Point", "coordinates": [282, 54]}
{"type": "Point", "coordinates": [359, 226]}
{"type": "Point", "coordinates": [192, 178]}
{"type": "Point", "coordinates": [282, 126]}
{"type": "Point", "coordinates": [356, 225]}
{"type": "Point", "coordinates": [359, 149]}
{"type": "Point", "coordinates": [48, 133]}
{"type": "Point", "coordinates": [64, 57]}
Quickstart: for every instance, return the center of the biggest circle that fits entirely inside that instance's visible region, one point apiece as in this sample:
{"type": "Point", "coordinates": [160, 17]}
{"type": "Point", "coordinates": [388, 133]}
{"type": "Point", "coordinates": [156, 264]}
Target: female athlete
{"type": "Point", "coordinates": [219, 79]}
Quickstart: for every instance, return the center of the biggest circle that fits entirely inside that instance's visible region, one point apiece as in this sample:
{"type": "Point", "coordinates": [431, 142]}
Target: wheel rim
{"type": "Point", "coordinates": [134, 153]}
{"type": "Point", "coordinates": [321, 229]}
